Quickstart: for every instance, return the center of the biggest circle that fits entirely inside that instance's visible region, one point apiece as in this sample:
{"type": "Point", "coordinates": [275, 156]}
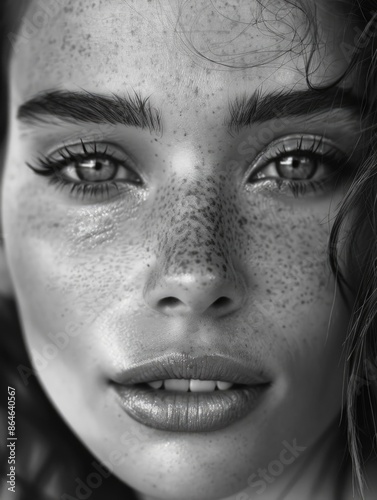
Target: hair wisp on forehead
{"type": "Point", "coordinates": [290, 23]}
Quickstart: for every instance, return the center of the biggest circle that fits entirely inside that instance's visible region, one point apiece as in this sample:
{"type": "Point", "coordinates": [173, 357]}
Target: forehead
{"type": "Point", "coordinates": [173, 47]}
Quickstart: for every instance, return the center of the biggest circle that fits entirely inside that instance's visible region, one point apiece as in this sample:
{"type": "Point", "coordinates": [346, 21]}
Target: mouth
{"type": "Point", "coordinates": [180, 393]}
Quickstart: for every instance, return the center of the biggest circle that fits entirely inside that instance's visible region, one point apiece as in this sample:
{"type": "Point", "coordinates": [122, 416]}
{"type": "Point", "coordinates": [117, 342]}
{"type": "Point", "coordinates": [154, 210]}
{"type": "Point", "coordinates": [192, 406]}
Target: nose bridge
{"type": "Point", "coordinates": [196, 235]}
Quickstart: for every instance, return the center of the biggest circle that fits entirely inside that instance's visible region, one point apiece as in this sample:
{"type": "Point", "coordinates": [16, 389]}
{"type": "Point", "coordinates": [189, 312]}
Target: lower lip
{"type": "Point", "coordinates": [188, 411]}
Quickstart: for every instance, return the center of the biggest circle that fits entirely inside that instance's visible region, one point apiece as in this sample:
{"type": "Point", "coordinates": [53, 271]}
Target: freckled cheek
{"type": "Point", "coordinates": [293, 290]}
{"type": "Point", "coordinates": [59, 255]}
{"type": "Point", "coordinates": [289, 279]}
{"type": "Point", "coordinates": [288, 248]}
{"type": "Point", "coordinates": [69, 275]}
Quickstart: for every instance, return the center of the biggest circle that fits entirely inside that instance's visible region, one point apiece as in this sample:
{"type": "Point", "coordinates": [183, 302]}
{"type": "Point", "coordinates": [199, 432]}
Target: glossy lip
{"type": "Point", "coordinates": [178, 365]}
{"type": "Point", "coordinates": [176, 411]}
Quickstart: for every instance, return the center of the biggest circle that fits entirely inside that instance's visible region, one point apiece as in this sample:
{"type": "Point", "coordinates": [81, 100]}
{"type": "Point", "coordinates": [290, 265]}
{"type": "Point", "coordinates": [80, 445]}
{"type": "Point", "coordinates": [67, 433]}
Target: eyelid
{"type": "Point", "coordinates": [290, 144]}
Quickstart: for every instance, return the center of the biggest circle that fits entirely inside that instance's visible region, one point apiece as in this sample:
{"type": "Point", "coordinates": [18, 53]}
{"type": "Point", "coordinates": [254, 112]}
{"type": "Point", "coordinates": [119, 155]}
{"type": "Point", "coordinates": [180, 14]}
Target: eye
{"type": "Point", "coordinates": [96, 169]}
{"type": "Point", "coordinates": [299, 165]}
{"type": "Point", "coordinates": [89, 170]}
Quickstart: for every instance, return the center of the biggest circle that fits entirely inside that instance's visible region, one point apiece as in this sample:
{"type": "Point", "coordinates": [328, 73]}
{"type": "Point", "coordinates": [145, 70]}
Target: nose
{"type": "Point", "coordinates": [193, 293]}
{"type": "Point", "coordinates": [196, 270]}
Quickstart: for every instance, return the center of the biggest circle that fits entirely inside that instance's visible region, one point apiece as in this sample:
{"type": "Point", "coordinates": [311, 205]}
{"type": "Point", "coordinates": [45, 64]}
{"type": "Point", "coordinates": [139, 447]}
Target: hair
{"type": "Point", "coordinates": [361, 341]}
{"type": "Point", "coordinates": [360, 201]}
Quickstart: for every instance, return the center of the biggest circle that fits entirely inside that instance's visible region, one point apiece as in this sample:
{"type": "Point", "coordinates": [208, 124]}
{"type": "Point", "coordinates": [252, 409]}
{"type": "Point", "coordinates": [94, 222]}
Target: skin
{"type": "Point", "coordinates": [195, 231]}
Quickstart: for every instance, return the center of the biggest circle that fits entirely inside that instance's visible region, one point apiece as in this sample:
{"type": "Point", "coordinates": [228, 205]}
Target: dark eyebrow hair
{"type": "Point", "coordinates": [132, 110]}
{"type": "Point", "coordinates": [244, 111]}
{"type": "Point", "coordinates": [137, 111]}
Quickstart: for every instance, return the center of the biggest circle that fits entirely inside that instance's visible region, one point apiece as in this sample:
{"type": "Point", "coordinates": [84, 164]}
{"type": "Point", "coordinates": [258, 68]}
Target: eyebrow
{"type": "Point", "coordinates": [72, 106]}
{"type": "Point", "coordinates": [244, 111]}
{"type": "Point", "coordinates": [137, 111]}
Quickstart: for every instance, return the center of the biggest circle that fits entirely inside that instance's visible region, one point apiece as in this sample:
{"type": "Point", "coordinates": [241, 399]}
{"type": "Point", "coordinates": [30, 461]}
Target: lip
{"type": "Point", "coordinates": [189, 411]}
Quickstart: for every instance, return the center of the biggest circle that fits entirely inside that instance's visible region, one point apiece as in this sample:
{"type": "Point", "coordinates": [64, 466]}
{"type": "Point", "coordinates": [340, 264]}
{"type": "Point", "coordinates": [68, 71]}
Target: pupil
{"type": "Point", "coordinates": [296, 162]}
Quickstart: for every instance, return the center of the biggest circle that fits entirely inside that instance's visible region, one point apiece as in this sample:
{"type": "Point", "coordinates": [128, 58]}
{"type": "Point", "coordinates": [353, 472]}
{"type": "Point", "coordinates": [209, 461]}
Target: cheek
{"type": "Point", "coordinates": [292, 301]}
{"type": "Point", "coordinates": [285, 250]}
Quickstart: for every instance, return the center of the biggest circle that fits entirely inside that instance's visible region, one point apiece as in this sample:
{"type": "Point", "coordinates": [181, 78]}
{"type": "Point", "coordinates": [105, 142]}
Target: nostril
{"type": "Point", "coordinates": [173, 302]}
{"type": "Point", "coordinates": [169, 302]}
{"type": "Point", "coordinates": [221, 302]}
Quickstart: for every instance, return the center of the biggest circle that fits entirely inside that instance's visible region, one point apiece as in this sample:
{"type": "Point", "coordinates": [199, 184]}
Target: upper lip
{"type": "Point", "coordinates": [179, 365]}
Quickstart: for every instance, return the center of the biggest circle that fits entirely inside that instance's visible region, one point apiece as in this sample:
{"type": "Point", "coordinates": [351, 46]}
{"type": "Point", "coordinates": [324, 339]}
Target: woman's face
{"type": "Point", "coordinates": [161, 203]}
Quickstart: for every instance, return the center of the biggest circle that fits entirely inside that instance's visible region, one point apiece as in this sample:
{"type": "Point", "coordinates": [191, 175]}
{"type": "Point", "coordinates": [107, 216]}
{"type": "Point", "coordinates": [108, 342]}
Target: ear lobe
{"type": "Point", "coordinates": [6, 287]}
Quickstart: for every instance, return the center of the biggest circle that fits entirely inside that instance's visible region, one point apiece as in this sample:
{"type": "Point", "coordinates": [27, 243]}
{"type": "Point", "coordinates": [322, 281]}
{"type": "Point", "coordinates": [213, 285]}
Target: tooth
{"type": "Point", "coordinates": [202, 385]}
{"type": "Point", "coordinates": [177, 384]}
{"type": "Point", "coordinates": [156, 384]}
{"type": "Point", "coordinates": [223, 386]}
